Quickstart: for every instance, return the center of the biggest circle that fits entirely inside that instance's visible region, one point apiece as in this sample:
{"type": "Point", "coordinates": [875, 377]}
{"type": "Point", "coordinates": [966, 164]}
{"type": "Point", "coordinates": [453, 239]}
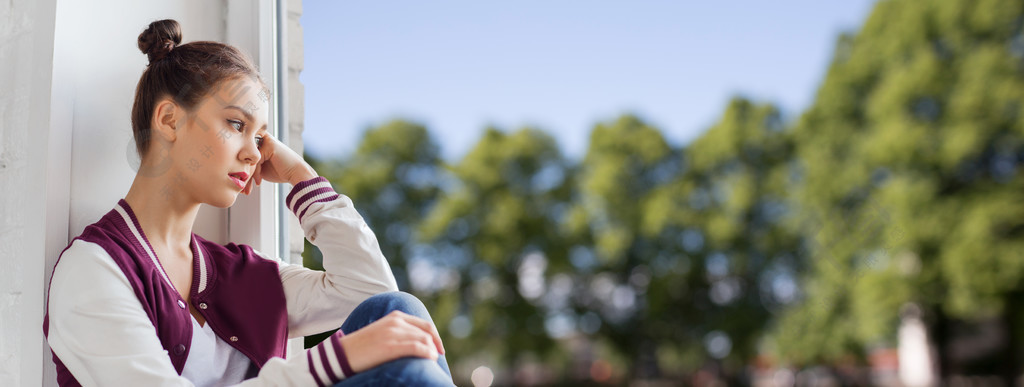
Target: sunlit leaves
{"type": "Point", "coordinates": [910, 191]}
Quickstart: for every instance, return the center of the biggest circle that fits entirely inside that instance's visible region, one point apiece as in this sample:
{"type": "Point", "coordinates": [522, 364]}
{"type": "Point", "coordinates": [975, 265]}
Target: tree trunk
{"type": "Point", "coordinates": [940, 331]}
{"type": "Point", "coordinates": [1011, 367]}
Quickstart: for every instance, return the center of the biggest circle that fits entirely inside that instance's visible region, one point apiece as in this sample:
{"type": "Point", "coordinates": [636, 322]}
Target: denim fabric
{"type": "Point", "coordinates": [407, 371]}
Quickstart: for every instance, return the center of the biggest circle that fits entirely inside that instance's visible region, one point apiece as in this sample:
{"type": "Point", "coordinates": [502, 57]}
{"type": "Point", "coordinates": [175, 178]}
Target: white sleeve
{"type": "Point", "coordinates": [98, 327]}
{"type": "Point", "coordinates": [99, 330]}
{"type": "Point", "coordinates": [356, 269]}
{"type": "Point", "coordinates": [323, 365]}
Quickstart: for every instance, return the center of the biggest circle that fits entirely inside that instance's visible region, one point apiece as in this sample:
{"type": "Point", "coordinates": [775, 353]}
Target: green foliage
{"type": "Point", "coordinates": [626, 161]}
{"type": "Point", "coordinates": [393, 179]}
{"type": "Point", "coordinates": [803, 239]}
{"type": "Point", "coordinates": [739, 171]}
{"type": "Point", "coordinates": [909, 190]}
{"type": "Point", "coordinates": [498, 220]}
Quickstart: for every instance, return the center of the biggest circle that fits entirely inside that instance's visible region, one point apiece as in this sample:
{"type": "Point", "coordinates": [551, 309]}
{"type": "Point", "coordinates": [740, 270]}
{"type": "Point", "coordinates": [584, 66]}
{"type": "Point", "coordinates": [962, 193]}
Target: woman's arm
{"type": "Point", "coordinates": [355, 270]}
{"type": "Point", "coordinates": [355, 267]}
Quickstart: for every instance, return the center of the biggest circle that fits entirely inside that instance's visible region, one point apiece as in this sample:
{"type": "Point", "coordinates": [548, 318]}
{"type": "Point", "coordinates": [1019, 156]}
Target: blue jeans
{"type": "Point", "coordinates": [407, 371]}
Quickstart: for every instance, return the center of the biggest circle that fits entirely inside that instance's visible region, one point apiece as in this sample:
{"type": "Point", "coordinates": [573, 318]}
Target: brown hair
{"type": "Point", "coordinates": [185, 73]}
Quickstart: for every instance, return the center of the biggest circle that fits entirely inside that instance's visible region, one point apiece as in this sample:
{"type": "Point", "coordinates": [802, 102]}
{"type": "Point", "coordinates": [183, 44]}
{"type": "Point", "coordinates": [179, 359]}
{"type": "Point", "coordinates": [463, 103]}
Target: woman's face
{"type": "Point", "coordinates": [217, 151]}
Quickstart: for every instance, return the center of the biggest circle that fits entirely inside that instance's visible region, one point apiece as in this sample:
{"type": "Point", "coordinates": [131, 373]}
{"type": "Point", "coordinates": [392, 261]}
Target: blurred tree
{"type": "Point", "coordinates": [622, 216]}
{"type": "Point", "coordinates": [692, 253]}
{"type": "Point", "coordinates": [740, 172]}
{"type": "Point", "coordinates": [493, 244]}
{"type": "Point", "coordinates": [908, 181]}
{"type": "Point", "coordinates": [393, 180]}
{"type": "Point", "coordinates": [899, 184]}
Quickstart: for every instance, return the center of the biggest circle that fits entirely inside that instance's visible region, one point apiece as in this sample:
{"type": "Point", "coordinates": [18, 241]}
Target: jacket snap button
{"type": "Point", "coordinates": [202, 305]}
{"type": "Point", "coordinates": [234, 338]}
{"type": "Point", "coordinates": [181, 304]}
{"type": "Point", "coordinates": [179, 349]}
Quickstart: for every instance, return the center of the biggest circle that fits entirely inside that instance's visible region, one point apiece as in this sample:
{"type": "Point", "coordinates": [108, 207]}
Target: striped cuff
{"type": "Point", "coordinates": [327, 361]}
{"type": "Point", "coordinates": [311, 191]}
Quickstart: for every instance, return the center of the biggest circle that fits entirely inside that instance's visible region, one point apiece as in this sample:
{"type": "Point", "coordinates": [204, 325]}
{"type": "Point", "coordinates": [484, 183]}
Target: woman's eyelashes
{"type": "Point", "coordinates": [240, 127]}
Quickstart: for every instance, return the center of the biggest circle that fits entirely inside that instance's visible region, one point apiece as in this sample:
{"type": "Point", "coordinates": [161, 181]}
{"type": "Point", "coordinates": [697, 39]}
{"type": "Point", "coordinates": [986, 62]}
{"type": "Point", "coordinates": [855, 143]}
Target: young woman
{"type": "Point", "coordinates": [138, 299]}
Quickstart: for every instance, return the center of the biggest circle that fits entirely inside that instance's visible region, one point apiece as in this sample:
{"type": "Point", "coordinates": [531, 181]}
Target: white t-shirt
{"type": "Point", "coordinates": [211, 361]}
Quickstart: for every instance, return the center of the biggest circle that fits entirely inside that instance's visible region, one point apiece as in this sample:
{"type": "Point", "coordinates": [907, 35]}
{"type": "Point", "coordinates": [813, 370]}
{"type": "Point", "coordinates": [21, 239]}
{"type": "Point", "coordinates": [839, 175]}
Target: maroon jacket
{"type": "Point", "coordinates": [245, 288]}
{"type": "Point", "coordinates": [251, 302]}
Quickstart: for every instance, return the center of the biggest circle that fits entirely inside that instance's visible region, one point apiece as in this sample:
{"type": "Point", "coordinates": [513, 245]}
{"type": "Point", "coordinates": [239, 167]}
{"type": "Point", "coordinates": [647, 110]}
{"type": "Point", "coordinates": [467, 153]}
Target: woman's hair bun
{"type": "Point", "coordinates": [159, 39]}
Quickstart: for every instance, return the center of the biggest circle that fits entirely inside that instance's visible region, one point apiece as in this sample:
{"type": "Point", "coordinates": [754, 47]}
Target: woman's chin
{"type": "Point", "coordinates": [225, 201]}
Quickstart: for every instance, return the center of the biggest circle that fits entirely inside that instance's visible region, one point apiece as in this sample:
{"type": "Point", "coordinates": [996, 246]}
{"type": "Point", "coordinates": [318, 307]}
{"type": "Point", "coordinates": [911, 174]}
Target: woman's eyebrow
{"type": "Point", "coordinates": [248, 116]}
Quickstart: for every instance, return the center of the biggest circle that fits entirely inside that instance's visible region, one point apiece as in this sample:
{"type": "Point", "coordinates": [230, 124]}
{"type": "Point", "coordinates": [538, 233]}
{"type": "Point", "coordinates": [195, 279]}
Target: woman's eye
{"type": "Point", "coordinates": [259, 141]}
{"type": "Point", "coordinates": [238, 125]}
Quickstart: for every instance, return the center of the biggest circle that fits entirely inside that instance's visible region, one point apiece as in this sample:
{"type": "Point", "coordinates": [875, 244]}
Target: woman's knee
{"type": "Point", "coordinates": [401, 301]}
{"type": "Point", "coordinates": [379, 305]}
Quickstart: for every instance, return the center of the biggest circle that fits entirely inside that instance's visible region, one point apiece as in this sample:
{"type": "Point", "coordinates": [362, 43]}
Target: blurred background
{"type": "Point", "coordinates": [688, 193]}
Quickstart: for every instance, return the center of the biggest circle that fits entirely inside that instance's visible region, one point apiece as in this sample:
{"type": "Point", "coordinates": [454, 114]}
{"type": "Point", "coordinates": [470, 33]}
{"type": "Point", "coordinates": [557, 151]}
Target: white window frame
{"type": "Point", "coordinates": [255, 219]}
{"type": "Point", "coordinates": [261, 219]}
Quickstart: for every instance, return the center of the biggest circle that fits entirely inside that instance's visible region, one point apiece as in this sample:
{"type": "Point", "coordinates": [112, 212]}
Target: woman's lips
{"type": "Point", "coordinates": [238, 182]}
{"type": "Point", "coordinates": [239, 178]}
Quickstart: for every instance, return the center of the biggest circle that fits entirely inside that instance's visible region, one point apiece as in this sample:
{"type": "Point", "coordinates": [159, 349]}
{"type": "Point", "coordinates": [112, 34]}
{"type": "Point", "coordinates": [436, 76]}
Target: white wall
{"type": "Point", "coordinates": [96, 67]}
{"type": "Point", "coordinates": [24, 97]}
{"type": "Point", "coordinates": [67, 83]}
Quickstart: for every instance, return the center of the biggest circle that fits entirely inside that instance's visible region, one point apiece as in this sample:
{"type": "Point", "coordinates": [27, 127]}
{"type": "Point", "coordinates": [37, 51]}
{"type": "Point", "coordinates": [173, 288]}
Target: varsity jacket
{"type": "Point", "coordinates": [130, 326]}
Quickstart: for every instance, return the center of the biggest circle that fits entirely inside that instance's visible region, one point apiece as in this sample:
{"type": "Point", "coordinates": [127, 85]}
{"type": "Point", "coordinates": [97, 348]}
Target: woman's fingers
{"type": "Point", "coordinates": [248, 187]}
{"type": "Point", "coordinates": [402, 332]}
{"type": "Point", "coordinates": [280, 164]}
{"type": "Point", "coordinates": [437, 339]}
{"type": "Point", "coordinates": [252, 180]}
{"type": "Point", "coordinates": [427, 327]}
{"type": "Point", "coordinates": [394, 336]}
{"type": "Point", "coordinates": [424, 349]}
{"type": "Point", "coordinates": [413, 334]}
{"type": "Point", "coordinates": [266, 150]}
{"type": "Point", "coordinates": [269, 166]}
{"type": "Point", "coordinates": [414, 345]}
{"type": "Point", "coordinates": [257, 175]}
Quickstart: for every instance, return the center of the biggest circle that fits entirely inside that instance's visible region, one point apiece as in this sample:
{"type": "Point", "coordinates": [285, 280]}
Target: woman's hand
{"type": "Point", "coordinates": [279, 164]}
{"type": "Point", "coordinates": [394, 336]}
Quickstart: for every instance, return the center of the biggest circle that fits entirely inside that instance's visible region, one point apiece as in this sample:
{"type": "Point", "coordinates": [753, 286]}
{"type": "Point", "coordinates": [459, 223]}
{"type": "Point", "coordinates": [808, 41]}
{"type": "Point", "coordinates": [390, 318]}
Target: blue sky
{"type": "Point", "coordinates": [562, 66]}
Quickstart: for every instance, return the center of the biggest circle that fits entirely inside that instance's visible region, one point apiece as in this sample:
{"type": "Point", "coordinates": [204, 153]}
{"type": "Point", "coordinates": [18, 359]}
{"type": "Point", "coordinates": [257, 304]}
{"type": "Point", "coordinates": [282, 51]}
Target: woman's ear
{"type": "Point", "coordinates": [167, 116]}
